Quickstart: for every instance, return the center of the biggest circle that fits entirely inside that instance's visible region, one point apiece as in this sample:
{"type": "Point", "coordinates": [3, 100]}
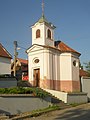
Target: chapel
{"type": "Point", "coordinates": [52, 64]}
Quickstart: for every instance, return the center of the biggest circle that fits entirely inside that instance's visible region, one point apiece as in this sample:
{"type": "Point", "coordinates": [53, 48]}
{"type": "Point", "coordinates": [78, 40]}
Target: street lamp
{"type": "Point", "coordinates": [15, 57]}
{"type": "Point", "coordinates": [16, 47]}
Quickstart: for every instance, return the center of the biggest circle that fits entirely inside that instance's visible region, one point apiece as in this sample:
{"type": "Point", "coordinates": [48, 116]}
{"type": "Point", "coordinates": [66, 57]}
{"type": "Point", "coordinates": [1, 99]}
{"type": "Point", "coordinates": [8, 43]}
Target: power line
{"type": "Point", "coordinates": [22, 47]}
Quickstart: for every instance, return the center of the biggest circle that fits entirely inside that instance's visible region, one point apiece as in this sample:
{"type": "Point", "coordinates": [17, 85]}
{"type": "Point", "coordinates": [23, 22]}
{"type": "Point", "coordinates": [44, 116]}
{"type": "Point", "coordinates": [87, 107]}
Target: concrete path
{"type": "Point", "coordinates": [81, 112]}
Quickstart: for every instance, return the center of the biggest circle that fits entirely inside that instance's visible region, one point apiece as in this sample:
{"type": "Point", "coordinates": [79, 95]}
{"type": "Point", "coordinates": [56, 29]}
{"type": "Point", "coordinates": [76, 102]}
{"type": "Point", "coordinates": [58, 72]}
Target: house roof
{"type": "Point", "coordinates": [4, 52]}
{"type": "Point", "coordinates": [64, 48]}
{"type": "Point", "coordinates": [60, 46]}
{"type": "Point", "coordinates": [83, 73]}
{"type": "Point", "coordinates": [20, 62]}
{"type": "Point", "coordinates": [23, 61]}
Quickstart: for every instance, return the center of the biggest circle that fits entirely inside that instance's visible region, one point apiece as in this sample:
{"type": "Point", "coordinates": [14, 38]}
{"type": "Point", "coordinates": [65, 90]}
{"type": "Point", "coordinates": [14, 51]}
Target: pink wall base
{"type": "Point", "coordinates": [59, 85]}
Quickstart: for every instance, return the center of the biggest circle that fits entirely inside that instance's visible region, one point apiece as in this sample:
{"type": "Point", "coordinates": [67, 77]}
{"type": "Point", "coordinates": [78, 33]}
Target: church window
{"type": "Point", "coordinates": [36, 60]}
{"type": "Point", "coordinates": [75, 63]}
{"type": "Point", "coordinates": [49, 34]}
{"type": "Point", "coordinates": [38, 33]}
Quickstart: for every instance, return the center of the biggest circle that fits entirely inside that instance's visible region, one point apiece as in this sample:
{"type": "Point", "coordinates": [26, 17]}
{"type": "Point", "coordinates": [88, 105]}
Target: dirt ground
{"type": "Point", "coordinates": [81, 112]}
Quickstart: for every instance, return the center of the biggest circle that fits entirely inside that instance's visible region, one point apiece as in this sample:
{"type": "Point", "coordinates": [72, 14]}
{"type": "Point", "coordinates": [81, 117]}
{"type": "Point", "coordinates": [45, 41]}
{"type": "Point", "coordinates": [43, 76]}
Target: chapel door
{"type": "Point", "coordinates": [37, 77]}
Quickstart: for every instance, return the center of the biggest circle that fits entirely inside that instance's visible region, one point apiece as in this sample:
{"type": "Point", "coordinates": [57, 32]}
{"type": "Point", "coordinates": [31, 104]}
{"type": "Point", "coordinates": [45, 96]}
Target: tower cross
{"type": "Point", "coordinates": [42, 7]}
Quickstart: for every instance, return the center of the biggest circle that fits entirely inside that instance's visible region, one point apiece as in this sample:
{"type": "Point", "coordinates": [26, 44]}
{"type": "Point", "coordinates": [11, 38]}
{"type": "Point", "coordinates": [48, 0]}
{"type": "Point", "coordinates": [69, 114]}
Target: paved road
{"type": "Point", "coordinates": [81, 112]}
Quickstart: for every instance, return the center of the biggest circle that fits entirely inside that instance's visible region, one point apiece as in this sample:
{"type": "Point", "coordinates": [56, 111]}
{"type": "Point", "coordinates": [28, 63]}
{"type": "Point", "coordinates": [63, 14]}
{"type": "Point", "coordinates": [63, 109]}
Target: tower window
{"type": "Point", "coordinates": [38, 33]}
{"type": "Point", "coordinates": [49, 34]}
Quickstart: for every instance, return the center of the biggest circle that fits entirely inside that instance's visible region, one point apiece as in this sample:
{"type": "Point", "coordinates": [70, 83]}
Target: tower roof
{"type": "Point", "coordinates": [43, 19]}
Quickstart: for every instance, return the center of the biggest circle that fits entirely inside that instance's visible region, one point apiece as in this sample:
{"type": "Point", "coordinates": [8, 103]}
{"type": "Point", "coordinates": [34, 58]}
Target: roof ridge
{"type": "Point", "coordinates": [4, 49]}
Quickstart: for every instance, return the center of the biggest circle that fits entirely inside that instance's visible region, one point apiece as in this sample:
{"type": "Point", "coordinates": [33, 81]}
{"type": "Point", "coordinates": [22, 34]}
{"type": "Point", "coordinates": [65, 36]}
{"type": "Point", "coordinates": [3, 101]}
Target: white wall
{"type": "Point", "coordinates": [42, 55]}
{"type": "Point", "coordinates": [75, 69]}
{"type": "Point", "coordinates": [42, 37]}
{"type": "Point", "coordinates": [43, 40]}
{"type": "Point", "coordinates": [85, 85]}
{"type": "Point", "coordinates": [54, 65]}
{"type": "Point", "coordinates": [49, 42]}
{"type": "Point", "coordinates": [32, 65]}
{"type": "Point", "coordinates": [5, 65]}
{"type": "Point", "coordinates": [49, 68]}
{"type": "Point", "coordinates": [65, 66]}
{"type": "Point", "coordinates": [67, 70]}
{"type": "Point", "coordinates": [70, 98]}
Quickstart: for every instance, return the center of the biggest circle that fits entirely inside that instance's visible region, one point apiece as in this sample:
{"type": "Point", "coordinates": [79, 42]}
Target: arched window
{"type": "Point", "coordinates": [49, 34]}
{"type": "Point", "coordinates": [38, 33]}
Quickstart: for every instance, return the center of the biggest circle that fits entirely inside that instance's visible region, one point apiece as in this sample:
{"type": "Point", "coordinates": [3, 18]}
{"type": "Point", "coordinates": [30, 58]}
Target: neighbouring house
{"type": "Point", "coordinates": [82, 74]}
{"type": "Point", "coordinates": [21, 68]}
{"type": "Point", "coordinates": [5, 61]}
{"type": "Point", "coordinates": [85, 82]}
{"type": "Point", "coordinates": [52, 64]}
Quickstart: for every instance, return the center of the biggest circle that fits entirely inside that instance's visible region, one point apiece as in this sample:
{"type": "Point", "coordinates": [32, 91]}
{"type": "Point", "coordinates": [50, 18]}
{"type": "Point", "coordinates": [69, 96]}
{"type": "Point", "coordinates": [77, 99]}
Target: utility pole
{"type": "Point", "coordinates": [15, 57]}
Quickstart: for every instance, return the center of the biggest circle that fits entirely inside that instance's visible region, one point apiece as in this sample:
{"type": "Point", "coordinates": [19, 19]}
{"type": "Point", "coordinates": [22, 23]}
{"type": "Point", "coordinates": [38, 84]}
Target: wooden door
{"type": "Point", "coordinates": [37, 77]}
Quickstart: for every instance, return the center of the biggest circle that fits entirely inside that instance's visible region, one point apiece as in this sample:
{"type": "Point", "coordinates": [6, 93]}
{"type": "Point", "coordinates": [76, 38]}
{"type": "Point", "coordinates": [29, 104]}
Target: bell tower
{"type": "Point", "coordinates": [43, 31]}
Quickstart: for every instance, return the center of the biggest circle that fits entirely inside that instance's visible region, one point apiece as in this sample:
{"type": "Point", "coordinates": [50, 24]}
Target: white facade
{"type": "Point", "coordinates": [51, 67]}
{"type": "Point", "coordinates": [47, 63]}
{"type": "Point", "coordinates": [5, 65]}
{"type": "Point", "coordinates": [56, 67]}
{"type": "Point", "coordinates": [68, 70]}
{"type": "Point", "coordinates": [43, 39]}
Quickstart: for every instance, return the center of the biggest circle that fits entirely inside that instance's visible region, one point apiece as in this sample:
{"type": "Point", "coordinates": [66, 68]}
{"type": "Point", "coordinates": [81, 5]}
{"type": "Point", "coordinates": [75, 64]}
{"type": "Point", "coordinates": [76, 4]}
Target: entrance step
{"type": "Point", "coordinates": [55, 100]}
{"type": "Point", "coordinates": [4, 117]}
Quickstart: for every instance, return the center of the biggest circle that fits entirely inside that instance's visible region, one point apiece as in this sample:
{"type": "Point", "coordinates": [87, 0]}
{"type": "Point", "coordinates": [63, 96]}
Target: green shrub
{"type": "Point", "coordinates": [21, 90]}
{"type": "Point", "coordinates": [39, 92]}
{"type": "Point", "coordinates": [12, 91]}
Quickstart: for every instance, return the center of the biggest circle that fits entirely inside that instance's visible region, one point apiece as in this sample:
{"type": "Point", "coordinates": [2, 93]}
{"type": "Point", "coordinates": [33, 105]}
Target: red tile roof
{"type": "Point", "coordinates": [59, 45]}
{"type": "Point", "coordinates": [23, 61]}
{"type": "Point", "coordinates": [83, 73]}
{"type": "Point", "coordinates": [65, 48]}
{"type": "Point", "coordinates": [4, 52]}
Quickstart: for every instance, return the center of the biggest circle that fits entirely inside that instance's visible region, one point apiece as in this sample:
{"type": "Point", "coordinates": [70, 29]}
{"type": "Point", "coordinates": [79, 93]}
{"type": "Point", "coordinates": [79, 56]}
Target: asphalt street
{"type": "Point", "coordinates": [81, 112]}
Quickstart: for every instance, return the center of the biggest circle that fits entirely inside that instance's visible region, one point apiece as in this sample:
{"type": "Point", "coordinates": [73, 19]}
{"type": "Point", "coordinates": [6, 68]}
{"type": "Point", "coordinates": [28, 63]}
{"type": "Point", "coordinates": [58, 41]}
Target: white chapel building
{"type": "Point", "coordinates": [52, 64]}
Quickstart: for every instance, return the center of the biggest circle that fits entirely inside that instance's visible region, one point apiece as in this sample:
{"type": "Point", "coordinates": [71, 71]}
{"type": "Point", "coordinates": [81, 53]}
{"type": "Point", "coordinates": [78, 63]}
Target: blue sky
{"type": "Point", "coordinates": [71, 17]}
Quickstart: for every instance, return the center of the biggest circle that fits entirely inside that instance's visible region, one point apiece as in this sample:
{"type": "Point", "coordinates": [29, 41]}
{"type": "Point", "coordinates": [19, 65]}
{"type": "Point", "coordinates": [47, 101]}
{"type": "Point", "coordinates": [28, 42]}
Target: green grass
{"type": "Point", "coordinates": [36, 113]}
{"type": "Point", "coordinates": [76, 104]}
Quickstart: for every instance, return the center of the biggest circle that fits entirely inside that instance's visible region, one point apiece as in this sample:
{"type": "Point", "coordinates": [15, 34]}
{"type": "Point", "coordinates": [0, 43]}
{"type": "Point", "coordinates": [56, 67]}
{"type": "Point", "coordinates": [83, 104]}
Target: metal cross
{"type": "Point", "coordinates": [42, 7]}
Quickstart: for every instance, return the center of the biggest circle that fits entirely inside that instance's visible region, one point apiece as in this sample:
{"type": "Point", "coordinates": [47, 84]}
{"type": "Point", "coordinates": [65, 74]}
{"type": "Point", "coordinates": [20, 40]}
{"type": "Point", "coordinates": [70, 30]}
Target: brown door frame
{"type": "Point", "coordinates": [36, 77]}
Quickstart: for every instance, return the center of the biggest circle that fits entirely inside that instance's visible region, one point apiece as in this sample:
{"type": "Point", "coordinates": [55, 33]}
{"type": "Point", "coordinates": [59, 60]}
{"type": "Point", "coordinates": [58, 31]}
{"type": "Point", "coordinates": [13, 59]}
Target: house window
{"type": "Point", "coordinates": [49, 34]}
{"type": "Point", "coordinates": [38, 33]}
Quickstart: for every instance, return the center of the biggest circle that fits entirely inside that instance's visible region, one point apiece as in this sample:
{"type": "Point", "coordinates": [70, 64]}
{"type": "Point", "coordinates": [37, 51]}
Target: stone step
{"type": "Point", "coordinates": [57, 101]}
{"type": "Point", "coordinates": [3, 117]}
{"type": "Point", "coordinates": [54, 99]}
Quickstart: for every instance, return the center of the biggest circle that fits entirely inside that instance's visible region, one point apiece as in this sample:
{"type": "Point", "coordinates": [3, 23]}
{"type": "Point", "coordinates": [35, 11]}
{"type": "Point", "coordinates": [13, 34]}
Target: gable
{"type": "Point", "coordinates": [59, 46]}
{"type": "Point", "coordinates": [4, 52]}
{"type": "Point", "coordinates": [34, 48]}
